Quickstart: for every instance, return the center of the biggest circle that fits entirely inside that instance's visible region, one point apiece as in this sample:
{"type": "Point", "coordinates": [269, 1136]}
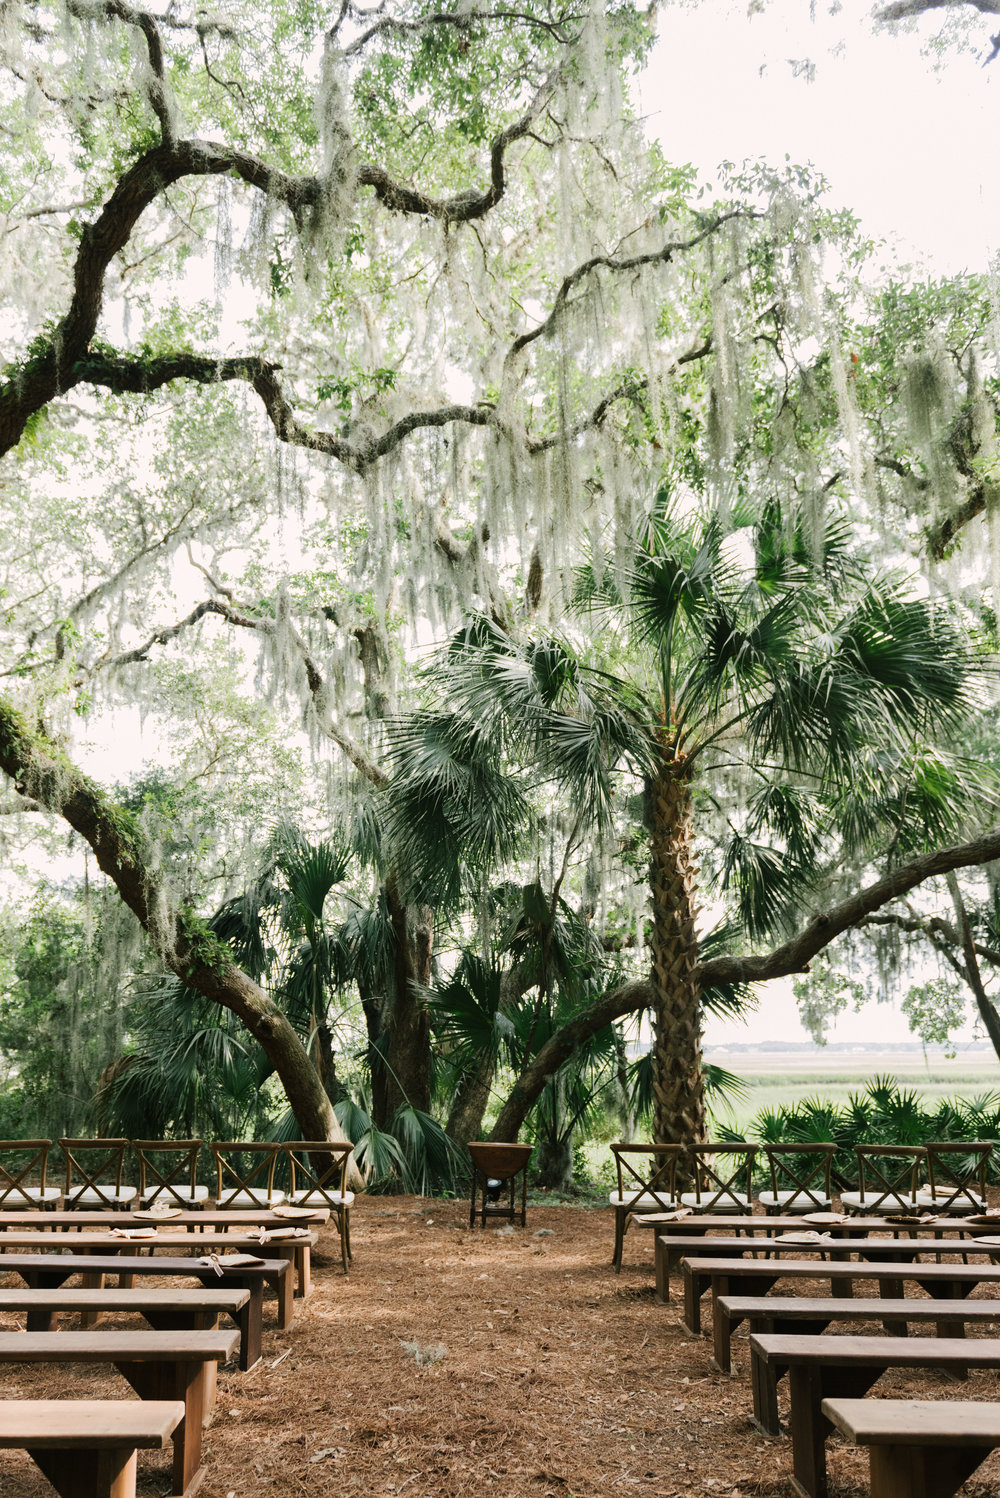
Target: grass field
{"type": "Point", "coordinates": [773, 1078]}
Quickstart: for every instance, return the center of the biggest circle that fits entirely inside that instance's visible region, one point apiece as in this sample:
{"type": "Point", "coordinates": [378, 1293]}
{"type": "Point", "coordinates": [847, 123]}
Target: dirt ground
{"type": "Point", "coordinates": [455, 1362]}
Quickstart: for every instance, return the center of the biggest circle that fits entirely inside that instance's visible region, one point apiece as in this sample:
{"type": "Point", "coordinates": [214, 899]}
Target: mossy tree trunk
{"type": "Point", "coordinates": [678, 1082]}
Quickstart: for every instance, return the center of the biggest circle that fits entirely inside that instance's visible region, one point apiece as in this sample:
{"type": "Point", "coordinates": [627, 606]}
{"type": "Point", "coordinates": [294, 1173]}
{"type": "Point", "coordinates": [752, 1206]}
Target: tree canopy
{"type": "Point", "coordinates": [332, 337]}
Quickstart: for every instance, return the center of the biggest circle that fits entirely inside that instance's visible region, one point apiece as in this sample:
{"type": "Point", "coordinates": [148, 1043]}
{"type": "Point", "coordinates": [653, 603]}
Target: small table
{"type": "Point", "coordinates": [502, 1164]}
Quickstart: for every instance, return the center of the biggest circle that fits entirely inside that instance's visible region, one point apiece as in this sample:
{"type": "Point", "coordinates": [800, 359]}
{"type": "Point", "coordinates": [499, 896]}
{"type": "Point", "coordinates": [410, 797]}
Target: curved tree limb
{"type": "Point", "coordinates": [794, 956]}
{"type": "Point", "coordinates": [184, 944]}
{"type": "Point", "coordinates": [613, 1005]}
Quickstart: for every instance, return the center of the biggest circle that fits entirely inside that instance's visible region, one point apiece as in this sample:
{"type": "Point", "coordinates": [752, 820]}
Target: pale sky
{"type": "Point", "coordinates": [908, 146]}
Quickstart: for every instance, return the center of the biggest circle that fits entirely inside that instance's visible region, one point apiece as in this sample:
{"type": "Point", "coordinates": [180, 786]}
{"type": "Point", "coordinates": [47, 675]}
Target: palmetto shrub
{"type": "Point", "coordinates": [884, 1113]}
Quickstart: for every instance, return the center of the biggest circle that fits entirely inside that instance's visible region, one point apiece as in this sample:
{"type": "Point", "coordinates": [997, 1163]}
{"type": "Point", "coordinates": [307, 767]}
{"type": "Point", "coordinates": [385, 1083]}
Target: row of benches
{"type": "Point", "coordinates": [90, 1447]}
{"type": "Point", "coordinates": [918, 1449]}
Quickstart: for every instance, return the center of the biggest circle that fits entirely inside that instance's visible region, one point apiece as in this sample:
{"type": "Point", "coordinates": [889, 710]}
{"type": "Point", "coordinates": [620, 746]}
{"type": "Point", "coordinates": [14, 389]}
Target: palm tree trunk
{"type": "Point", "coordinates": [678, 1084]}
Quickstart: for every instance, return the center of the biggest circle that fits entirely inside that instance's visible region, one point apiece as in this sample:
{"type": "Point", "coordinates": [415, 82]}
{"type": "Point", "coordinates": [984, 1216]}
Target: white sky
{"type": "Point", "coordinates": [908, 146]}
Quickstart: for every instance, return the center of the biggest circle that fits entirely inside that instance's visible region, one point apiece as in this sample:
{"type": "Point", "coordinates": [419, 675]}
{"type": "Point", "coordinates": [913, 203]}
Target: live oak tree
{"type": "Point", "coordinates": [358, 322]}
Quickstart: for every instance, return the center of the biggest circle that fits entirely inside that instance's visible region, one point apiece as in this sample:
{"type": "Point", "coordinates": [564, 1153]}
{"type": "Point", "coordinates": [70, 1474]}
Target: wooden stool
{"type": "Point", "coordinates": [501, 1163]}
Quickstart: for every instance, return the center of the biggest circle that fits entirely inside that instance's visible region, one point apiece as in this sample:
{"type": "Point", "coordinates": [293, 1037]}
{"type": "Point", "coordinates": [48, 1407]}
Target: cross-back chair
{"type": "Point", "coordinates": [168, 1173]}
{"type": "Point", "coordinates": [239, 1186]}
{"type": "Point", "coordinates": [888, 1178]}
{"type": "Point", "coordinates": [800, 1177]}
{"type": "Point", "coordinates": [94, 1171]}
{"type": "Point", "coordinates": [652, 1189]}
{"type": "Point", "coordinates": [23, 1166]}
{"type": "Point", "coordinates": [714, 1190]}
{"type": "Point", "coordinates": [956, 1176]}
{"type": "Point", "coordinates": [317, 1177]}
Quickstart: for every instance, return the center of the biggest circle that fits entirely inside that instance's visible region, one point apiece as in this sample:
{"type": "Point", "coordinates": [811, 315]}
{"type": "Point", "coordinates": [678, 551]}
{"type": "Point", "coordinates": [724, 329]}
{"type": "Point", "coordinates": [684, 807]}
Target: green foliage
{"type": "Point", "coordinates": [884, 1113]}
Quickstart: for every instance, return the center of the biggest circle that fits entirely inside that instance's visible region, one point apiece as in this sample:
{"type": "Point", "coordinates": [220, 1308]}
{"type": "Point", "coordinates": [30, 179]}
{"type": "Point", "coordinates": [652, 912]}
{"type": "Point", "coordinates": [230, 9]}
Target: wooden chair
{"type": "Point", "coordinates": [888, 1177]}
{"type": "Point", "coordinates": [652, 1190]}
{"type": "Point", "coordinates": [800, 1178]}
{"type": "Point", "coordinates": [168, 1173]}
{"type": "Point", "coordinates": [321, 1170]}
{"type": "Point", "coordinates": [956, 1177]}
{"type": "Point", "coordinates": [94, 1169]}
{"type": "Point", "coordinates": [715, 1191]}
{"type": "Point", "coordinates": [237, 1186]}
{"type": "Point", "coordinates": [26, 1164]}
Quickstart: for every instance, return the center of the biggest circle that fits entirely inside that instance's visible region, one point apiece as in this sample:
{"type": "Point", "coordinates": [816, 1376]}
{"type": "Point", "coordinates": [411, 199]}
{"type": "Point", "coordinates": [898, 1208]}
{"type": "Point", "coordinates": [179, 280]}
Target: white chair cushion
{"type": "Point", "coordinates": [30, 1196]}
{"type": "Point", "coordinates": [872, 1201]}
{"type": "Point", "coordinates": [107, 1196]}
{"type": "Point", "coordinates": [321, 1198]}
{"type": "Point", "coordinates": [252, 1198]}
{"type": "Point", "coordinates": [928, 1200]}
{"type": "Point", "coordinates": [733, 1201]}
{"type": "Point", "coordinates": [160, 1193]}
{"type": "Point", "coordinates": [796, 1199]}
{"type": "Point", "coordinates": [643, 1201]}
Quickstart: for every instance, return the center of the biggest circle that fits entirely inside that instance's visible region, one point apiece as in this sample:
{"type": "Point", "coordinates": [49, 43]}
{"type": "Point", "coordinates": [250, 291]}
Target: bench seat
{"type": "Point", "coordinates": [802, 1315]}
{"type": "Point", "coordinates": [831, 1367]}
{"type": "Point", "coordinates": [918, 1448]}
{"type": "Point", "coordinates": [725, 1276]}
{"type": "Point", "coordinates": [157, 1365]}
{"type": "Point", "coordinates": [87, 1447]}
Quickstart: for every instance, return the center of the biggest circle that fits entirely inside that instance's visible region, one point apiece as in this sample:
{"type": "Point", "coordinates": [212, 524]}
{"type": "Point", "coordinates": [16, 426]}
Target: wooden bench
{"type": "Point", "coordinates": [50, 1271]}
{"type": "Point", "coordinates": [805, 1315]}
{"type": "Point", "coordinates": [158, 1365]}
{"type": "Point", "coordinates": [832, 1367]}
{"type": "Point", "coordinates": [667, 1234]}
{"type": "Point", "coordinates": [757, 1276]}
{"type": "Point", "coordinates": [87, 1447]}
{"type": "Point", "coordinates": [918, 1448]}
{"type": "Point", "coordinates": [186, 1310]}
{"type": "Point", "coordinates": [298, 1251]}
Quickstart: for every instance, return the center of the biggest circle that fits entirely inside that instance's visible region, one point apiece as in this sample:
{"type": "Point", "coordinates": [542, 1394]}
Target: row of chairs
{"type": "Point", "coordinates": [939, 1176]}
{"type": "Point", "coordinates": [94, 1174]}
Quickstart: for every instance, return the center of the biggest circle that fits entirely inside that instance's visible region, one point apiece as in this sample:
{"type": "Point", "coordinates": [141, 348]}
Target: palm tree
{"type": "Point", "coordinates": [768, 650]}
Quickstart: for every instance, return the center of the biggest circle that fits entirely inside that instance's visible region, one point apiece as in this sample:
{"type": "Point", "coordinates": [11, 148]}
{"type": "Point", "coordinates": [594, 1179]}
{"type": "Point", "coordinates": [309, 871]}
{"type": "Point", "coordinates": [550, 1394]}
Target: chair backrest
{"type": "Point", "coordinates": [232, 1177]}
{"type": "Point", "coordinates": [24, 1164]}
{"type": "Point", "coordinates": [659, 1178]}
{"type": "Point", "coordinates": [803, 1169]}
{"type": "Point", "coordinates": [321, 1168]}
{"type": "Point", "coordinates": [713, 1189]}
{"type": "Point", "coordinates": [957, 1170]}
{"type": "Point", "coordinates": [889, 1175]}
{"type": "Point", "coordinates": [168, 1169]}
{"type": "Point", "coordinates": [94, 1164]}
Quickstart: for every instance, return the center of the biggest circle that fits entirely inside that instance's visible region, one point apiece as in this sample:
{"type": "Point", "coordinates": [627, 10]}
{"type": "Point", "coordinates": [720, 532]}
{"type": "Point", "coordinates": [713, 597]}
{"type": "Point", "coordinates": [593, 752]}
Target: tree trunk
{"type": "Point", "coordinates": [408, 1044]}
{"type": "Point", "coordinates": [678, 1084]}
{"type": "Point", "coordinates": [465, 1118]}
{"type": "Point", "coordinates": [184, 944]}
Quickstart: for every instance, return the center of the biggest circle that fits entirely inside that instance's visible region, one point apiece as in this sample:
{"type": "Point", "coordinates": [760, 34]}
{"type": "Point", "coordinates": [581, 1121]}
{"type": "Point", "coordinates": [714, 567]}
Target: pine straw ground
{"type": "Point", "coordinates": [453, 1362]}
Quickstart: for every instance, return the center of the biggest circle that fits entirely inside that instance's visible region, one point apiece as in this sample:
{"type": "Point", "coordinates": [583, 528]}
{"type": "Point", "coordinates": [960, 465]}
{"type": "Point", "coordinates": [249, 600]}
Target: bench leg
{"type": "Point", "coordinates": [177, 1380]}
{"type": "Point", "coordinates": [105, 1474]}
{"type": "Point", "coordinates": [808, 1385]}
{"type": "Point", "coordinates": [692, 1302]}
{"type": "Point", "coordinates": [922, 1471]}
{"type": "Point", "coordinates": [286, 1293]}
{"type": "Point", "coordinates": [303, 1270]}
{"type": "Point", "coordinates": [764, 1383]}
{"type": "Point", "coordinates": [662, 1268]}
